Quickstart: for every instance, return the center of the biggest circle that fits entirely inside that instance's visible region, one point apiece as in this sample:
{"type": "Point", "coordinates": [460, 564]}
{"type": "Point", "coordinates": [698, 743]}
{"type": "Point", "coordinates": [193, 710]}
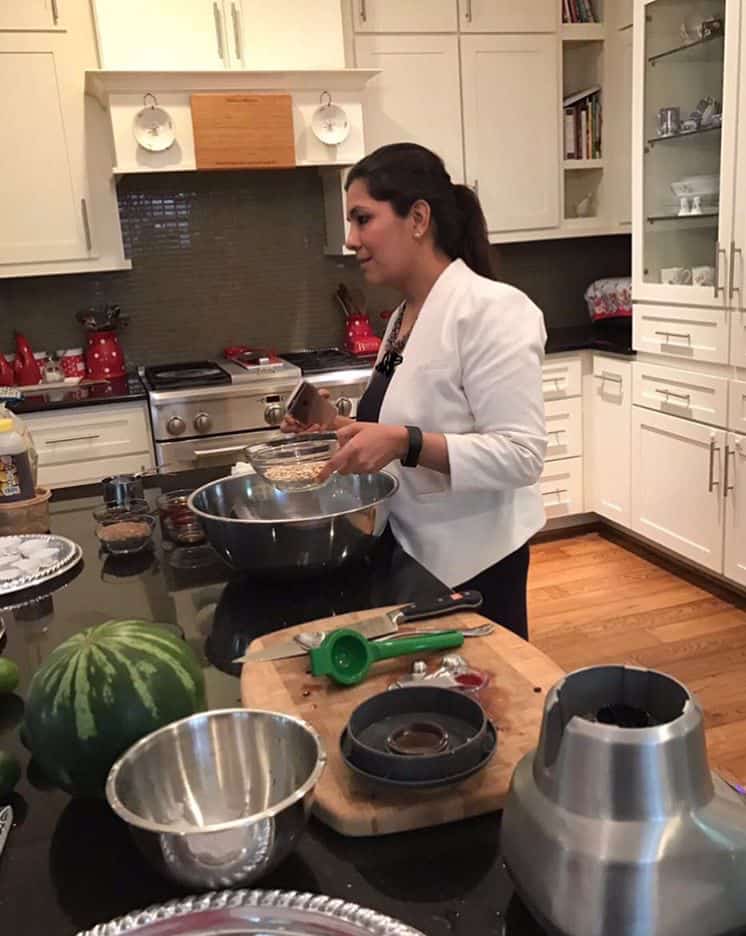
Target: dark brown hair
{"type": "Point", "coordinates": [403, 173]}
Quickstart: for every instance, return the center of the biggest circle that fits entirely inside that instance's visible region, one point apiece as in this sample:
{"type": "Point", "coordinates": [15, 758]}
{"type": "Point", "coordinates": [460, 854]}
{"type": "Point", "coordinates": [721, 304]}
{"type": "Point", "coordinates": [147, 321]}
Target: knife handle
{"type": "Point", "coordinates": [445, 604]}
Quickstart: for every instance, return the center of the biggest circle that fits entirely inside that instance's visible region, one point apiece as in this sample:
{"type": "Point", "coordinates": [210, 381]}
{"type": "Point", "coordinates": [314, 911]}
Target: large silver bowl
{"type": "Point", "coordinates": [219, 798]}
{"type": "Point", "coordinates": [256, 527]}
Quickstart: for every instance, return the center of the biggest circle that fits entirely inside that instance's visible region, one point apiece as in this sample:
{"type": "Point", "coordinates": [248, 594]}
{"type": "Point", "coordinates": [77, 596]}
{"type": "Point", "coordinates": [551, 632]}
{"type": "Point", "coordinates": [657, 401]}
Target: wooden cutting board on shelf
{"type": "Point", "coordinates": [520, 676]}
{"type": "Point", "coordinates": [243, 131]}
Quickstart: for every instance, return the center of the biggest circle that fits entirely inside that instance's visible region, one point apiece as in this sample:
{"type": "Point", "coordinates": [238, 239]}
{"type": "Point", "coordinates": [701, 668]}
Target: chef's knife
{"type": "Point", "coordinates": [6, 821]}
{"type": "Point", "coordinates": [373, 627]}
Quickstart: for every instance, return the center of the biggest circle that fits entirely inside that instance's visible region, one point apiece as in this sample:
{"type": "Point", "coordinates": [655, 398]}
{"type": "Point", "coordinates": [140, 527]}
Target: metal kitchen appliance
{"type": "Point", "coordinates": [205, 413]}
{"type": "Point", "coordinates": [614, 825]}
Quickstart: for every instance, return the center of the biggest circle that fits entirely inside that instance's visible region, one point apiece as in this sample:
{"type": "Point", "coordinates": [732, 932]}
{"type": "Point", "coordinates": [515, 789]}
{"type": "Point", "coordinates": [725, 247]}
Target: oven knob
{"type": "Point", "coordinates": [344, 406]}
{"type": "Point", "coordinates": [175, 425]}
{"type": "Point", "coordinates": [202, 422]}
{"type": "Point", "coordinates": [273, 414]}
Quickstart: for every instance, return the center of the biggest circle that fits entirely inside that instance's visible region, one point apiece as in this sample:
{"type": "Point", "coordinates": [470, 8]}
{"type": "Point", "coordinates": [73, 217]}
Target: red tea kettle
{"type": "Point", "coordinates": [104, 357]}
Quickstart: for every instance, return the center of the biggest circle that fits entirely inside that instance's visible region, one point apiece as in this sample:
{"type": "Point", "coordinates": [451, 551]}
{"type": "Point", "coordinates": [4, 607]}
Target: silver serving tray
{"type": "Point", "coordinates": [69, 554]}
{"type": "Point", "coordinates": [255, 913]}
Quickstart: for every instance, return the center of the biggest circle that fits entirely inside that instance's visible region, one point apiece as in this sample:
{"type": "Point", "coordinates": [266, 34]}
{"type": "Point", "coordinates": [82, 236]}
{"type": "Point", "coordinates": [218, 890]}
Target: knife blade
{"type": "Point", "coordinates": [373, 627]}
{"type": "Point", "coordinates": [6, 821]}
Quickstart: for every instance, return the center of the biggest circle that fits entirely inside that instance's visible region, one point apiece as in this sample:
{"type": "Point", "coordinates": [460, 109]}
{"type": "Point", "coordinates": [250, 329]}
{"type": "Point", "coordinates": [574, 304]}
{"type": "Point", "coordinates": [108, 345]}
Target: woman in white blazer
{"type": "Point", "coordinates": [455, 406]}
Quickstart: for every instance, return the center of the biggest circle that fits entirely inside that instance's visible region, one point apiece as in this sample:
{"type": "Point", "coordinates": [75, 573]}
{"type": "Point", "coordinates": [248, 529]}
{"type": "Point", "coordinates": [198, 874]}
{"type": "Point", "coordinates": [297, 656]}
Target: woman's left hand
{"type": "Point", "coordinates": [365, 448]}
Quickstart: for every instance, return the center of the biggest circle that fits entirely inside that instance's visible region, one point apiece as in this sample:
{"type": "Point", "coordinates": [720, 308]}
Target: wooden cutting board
{"type": "Point", "coordinates": [520, 676]}
{"type": "Point", "coordinates": [243, 131]}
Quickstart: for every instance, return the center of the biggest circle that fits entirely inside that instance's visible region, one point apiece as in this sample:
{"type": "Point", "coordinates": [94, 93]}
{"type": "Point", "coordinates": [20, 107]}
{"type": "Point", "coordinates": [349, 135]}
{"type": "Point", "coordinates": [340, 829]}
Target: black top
{"type": "Point", "coordinates": [370, 403]}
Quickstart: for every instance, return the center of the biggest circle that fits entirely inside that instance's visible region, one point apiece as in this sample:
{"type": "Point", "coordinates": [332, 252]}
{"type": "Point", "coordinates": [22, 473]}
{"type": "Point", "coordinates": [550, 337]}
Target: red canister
{"type": "Point", "coordinates": [7, 377]}
{"type": "Point", "coordinates": [73, 363]}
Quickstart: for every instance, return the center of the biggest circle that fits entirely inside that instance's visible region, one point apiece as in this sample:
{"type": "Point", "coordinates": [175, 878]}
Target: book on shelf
{"type": "Point", "coordinates": [583, 118]}
{"type": "Point", "coordinates": [578, 11]}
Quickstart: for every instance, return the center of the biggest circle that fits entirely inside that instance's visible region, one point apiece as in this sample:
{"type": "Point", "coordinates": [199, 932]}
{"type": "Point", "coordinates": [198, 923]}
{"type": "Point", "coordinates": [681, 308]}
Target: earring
{"type": "Point", "coordinates": [418, 234]}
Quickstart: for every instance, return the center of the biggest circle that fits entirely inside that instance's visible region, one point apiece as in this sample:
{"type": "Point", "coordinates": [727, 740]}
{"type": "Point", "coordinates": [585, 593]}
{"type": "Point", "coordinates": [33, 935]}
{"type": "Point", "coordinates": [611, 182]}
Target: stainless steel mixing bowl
{"type": "Point", "coordinates": [219, 798]}
{"type": "Point", "coordinates": [256, 527]}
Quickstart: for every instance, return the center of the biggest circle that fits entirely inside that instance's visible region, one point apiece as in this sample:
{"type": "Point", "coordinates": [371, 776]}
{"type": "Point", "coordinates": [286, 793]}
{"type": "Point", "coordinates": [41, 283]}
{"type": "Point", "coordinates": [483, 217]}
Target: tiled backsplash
{"type": "Point", "coordinates": [222, 258]}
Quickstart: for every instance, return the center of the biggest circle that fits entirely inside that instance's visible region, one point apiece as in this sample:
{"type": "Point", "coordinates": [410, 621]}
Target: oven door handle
{"type": "Point", "coordinates": [229, 449]}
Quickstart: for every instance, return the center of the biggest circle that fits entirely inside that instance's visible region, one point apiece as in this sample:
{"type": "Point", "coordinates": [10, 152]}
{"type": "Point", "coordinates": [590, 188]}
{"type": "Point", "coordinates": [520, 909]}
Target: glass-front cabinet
{"type": "Point", "coordinates": [684, 159]}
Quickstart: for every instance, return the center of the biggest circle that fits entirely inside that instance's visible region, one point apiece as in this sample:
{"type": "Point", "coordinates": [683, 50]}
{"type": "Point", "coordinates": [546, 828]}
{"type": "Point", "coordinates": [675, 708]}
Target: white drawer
{"type": "Point", "coordinates": [737, 406]}
{"type": "Point", "coordinates": [681, 332]}
{"type": "Point", "coordinates": [564, 422]}
{"type": "Point", "coordinates": [65, 437]}
{"type": "Point", "coordinates": [681, 393]}
{"type": "Point", "coordinates": [561, 378]}
{"type": "Point", "coordinates": [561, 486]}
{"type": "Point", "coordinates": [91, 472]}
{"type": "Point", "coordinates": [612, 376]}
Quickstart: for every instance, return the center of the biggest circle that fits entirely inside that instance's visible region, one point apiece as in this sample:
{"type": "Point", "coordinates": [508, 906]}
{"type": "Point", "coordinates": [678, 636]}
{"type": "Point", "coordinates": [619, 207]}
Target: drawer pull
{"type": "Point", "coordinates": [612, 378]}
{"type": "Point", "coordinates": [711, 482]}
{"type": "Point", "coordinates": [74, 439]}
{"type": "Point", "coordinates": [218, 30]}
{"type": "Point", "coordinates": [555, 493]}
{"type": "Point", "coordinates": [717, 288]}
{"type": "Point", "coordinates": [557, 433]}
{"type": "Point", "coordinates": [667, 334]}
{"type": "Point", "coordinates": [728, 487]}
{"type": "Point", "coordinates": [363, 12]}
{"type": "Point", "coordinates": [684, 397]}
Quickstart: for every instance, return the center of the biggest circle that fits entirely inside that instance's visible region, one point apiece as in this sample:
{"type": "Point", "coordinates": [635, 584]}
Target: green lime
{"type": "Point", "coordinates": [9, 676]}
{"type": "Point", "coordinates": [10, 773]}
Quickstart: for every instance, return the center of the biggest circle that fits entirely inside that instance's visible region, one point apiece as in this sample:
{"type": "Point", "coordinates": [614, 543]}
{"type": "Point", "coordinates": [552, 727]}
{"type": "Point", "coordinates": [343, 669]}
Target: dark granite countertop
{"type": "Point", "coordinates": [69, 864]}
{"type": "Point", "coordinates": [612, 335]}
{"type": "Point", "coordinates": [122, 390]}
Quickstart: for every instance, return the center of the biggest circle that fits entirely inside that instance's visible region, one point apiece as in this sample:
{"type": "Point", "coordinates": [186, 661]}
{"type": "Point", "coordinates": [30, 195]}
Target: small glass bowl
{"type": "Point", "coordinates": [127, 533]}
{"type": "Point", "coordinates": [293, 463]}
{"type": "Point", "coordinates": [113, 511]}
{"type": "Point", "coordinates": [178, 522]}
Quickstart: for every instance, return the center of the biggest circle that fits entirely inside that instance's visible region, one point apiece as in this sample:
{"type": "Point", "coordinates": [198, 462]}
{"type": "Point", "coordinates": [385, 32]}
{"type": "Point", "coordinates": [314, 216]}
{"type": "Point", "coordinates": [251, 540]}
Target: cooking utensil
{"type": "Point", "coordinates": [121, 489]}
{"type": "Point", "coordinates": [378, 626]}
{"type": "Point", "coordinates": [346, 656]}
{"type": "Point", "coordinates": [618, 804]}
{"type": "Point", "coordinates": [255, 913]}
{"type": "Point", "coordinates": [219, 798]}
{"type": "Point", "coordinates": [6, 821]}
{"type": "Point", "coordinates": [259, 529]}
{"type": "Point", "coordinates": [293, 463]}
{"type": "Point", "coordinates": [455, 741]}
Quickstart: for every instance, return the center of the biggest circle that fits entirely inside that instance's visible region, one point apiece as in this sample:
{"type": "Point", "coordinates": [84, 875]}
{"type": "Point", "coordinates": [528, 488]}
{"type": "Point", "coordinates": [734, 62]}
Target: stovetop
{"type": "Point", "coordinates": [327, 359]}
{"type": "Point", "coordinates": [191, 374]}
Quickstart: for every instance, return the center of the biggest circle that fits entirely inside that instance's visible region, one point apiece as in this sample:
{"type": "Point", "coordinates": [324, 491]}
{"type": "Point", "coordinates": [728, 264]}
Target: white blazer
{"type": "Point", "coordinates": [472, 370]}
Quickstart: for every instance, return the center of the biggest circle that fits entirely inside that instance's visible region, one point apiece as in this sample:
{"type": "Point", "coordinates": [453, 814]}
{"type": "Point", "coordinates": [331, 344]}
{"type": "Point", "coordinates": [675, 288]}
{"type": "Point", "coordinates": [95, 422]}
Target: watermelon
{"type": "Point", "coordinates": [103, 689]}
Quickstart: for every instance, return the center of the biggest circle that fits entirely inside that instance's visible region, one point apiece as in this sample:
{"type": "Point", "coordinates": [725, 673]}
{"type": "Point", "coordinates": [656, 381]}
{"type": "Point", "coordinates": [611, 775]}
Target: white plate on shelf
{"type": "Point", "coordinates": [330, 124]}
{"type": "Point", "coordinates": [154, 130]}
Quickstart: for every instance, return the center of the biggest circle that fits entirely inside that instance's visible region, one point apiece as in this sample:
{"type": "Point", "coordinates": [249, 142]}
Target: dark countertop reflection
{"type": "Point", "coordinates": [70, 864]}
{"type": "Point", "coordinates": [121, 390]}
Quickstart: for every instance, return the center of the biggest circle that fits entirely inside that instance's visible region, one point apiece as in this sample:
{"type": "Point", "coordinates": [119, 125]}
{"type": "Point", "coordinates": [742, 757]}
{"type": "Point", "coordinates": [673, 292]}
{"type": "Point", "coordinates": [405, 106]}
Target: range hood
{"type": "Point", "coordinates": [123, 94]}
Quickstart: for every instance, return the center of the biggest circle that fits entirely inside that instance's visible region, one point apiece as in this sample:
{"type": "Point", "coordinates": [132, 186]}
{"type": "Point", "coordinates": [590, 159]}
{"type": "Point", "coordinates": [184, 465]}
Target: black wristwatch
{"type": "Point", "coordinates": [412, 457]}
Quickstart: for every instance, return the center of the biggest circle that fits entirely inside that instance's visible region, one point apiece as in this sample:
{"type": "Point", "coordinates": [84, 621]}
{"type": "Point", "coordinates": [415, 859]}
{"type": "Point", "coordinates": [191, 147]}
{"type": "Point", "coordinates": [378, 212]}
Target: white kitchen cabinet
{"type": "Point", "coordinates": [734, 494]}
{"type": "Point", "coordinates": [564, 428]}
{"type": "Point", "coordinates": [398, 16]}
{"type": "Point", "coordinates": [621, 13]}
{"type": "Point", "coordinates": [737, 406]}
{"type": "Point", "coordinates": [511, 128]}
{"type": "Point", "coordinates": [610, 443]}
{"type": "Point", "coordinates": [689, 394]}
{"type": "Point", "coordinates": [29, 14]}
{"type": "Point", "coordinates": [683, 332]}
{"type": "Point", "coordinates": [677, 479]}
{"type": "Point", "coordinates": [738, 336]}
{"type": "Point", "coordinates": [167, 34]}
{"type": "Point", "coordinates": [82, 445]}
{"type": "Point", "coordinates": [396, 108]}
{"type": "Point", "coordinates": [562, 376]}
{"type": "Point", "coordinates": [617, 104]}
{"type": "Point", "coordinates": [285, 33]}
{"type": "Point", "coordinates": [561, 486]}
{"type": "Point", "coordinates": [506, 16]}
{"type": "Point", "coordinates": [43, 205]}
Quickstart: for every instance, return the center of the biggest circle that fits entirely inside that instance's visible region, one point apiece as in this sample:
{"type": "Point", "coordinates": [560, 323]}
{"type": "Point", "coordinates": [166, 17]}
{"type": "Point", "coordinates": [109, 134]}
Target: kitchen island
{"type": "Point", "coordinates": [70, 864]}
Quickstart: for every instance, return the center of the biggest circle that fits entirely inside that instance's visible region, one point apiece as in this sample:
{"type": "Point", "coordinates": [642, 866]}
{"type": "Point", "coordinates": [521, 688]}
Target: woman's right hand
{"type": "Point", "coordinates": [291, 425]}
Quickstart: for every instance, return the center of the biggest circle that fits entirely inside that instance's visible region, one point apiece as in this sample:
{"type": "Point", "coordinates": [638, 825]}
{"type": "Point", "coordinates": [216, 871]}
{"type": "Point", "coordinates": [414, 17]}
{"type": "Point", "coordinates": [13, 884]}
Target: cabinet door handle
{"type": "Point", "coordinates": [467, 11]}
{"type": "Point", "coordinates": [86, 224]}
{"type": "Point", "coordinates": [732, 288]}
{"type": "Point", "coordinates": [557, 433]}
{"type": "Point", "coordinates": [556, 492]}
{"type": "Point", "coordinates": [235, 15]}
{"type": "Point", "coordinates": [55, 12]}
{"type": "Point", "coordinates": [717, 288]}
{"type": "Point", "coordinates": [711, 482]}
{"type": "Point", "coordinates": [686, 397]}
{"type": "Point", "coordinates": [612, 378]}
{"type": "Point", "coordinates": [363, 12]}
{"type": "Point", "coordinates": [728, 452]}
{"type": "Point", "coordinates": [555, 380]}
{"type": "Point", "coordinates": [219, 30]}
{"type": "Point", "coordinates": [74, 439]}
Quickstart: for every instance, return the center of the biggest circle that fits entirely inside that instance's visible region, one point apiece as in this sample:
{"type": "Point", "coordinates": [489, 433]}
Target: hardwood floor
{"type": "Point", "coordinates": [593, 599]}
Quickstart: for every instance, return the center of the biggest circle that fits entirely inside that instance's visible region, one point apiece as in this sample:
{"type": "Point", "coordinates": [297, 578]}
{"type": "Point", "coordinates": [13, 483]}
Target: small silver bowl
{"type": "Point", "coordinates": [220, 798]}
